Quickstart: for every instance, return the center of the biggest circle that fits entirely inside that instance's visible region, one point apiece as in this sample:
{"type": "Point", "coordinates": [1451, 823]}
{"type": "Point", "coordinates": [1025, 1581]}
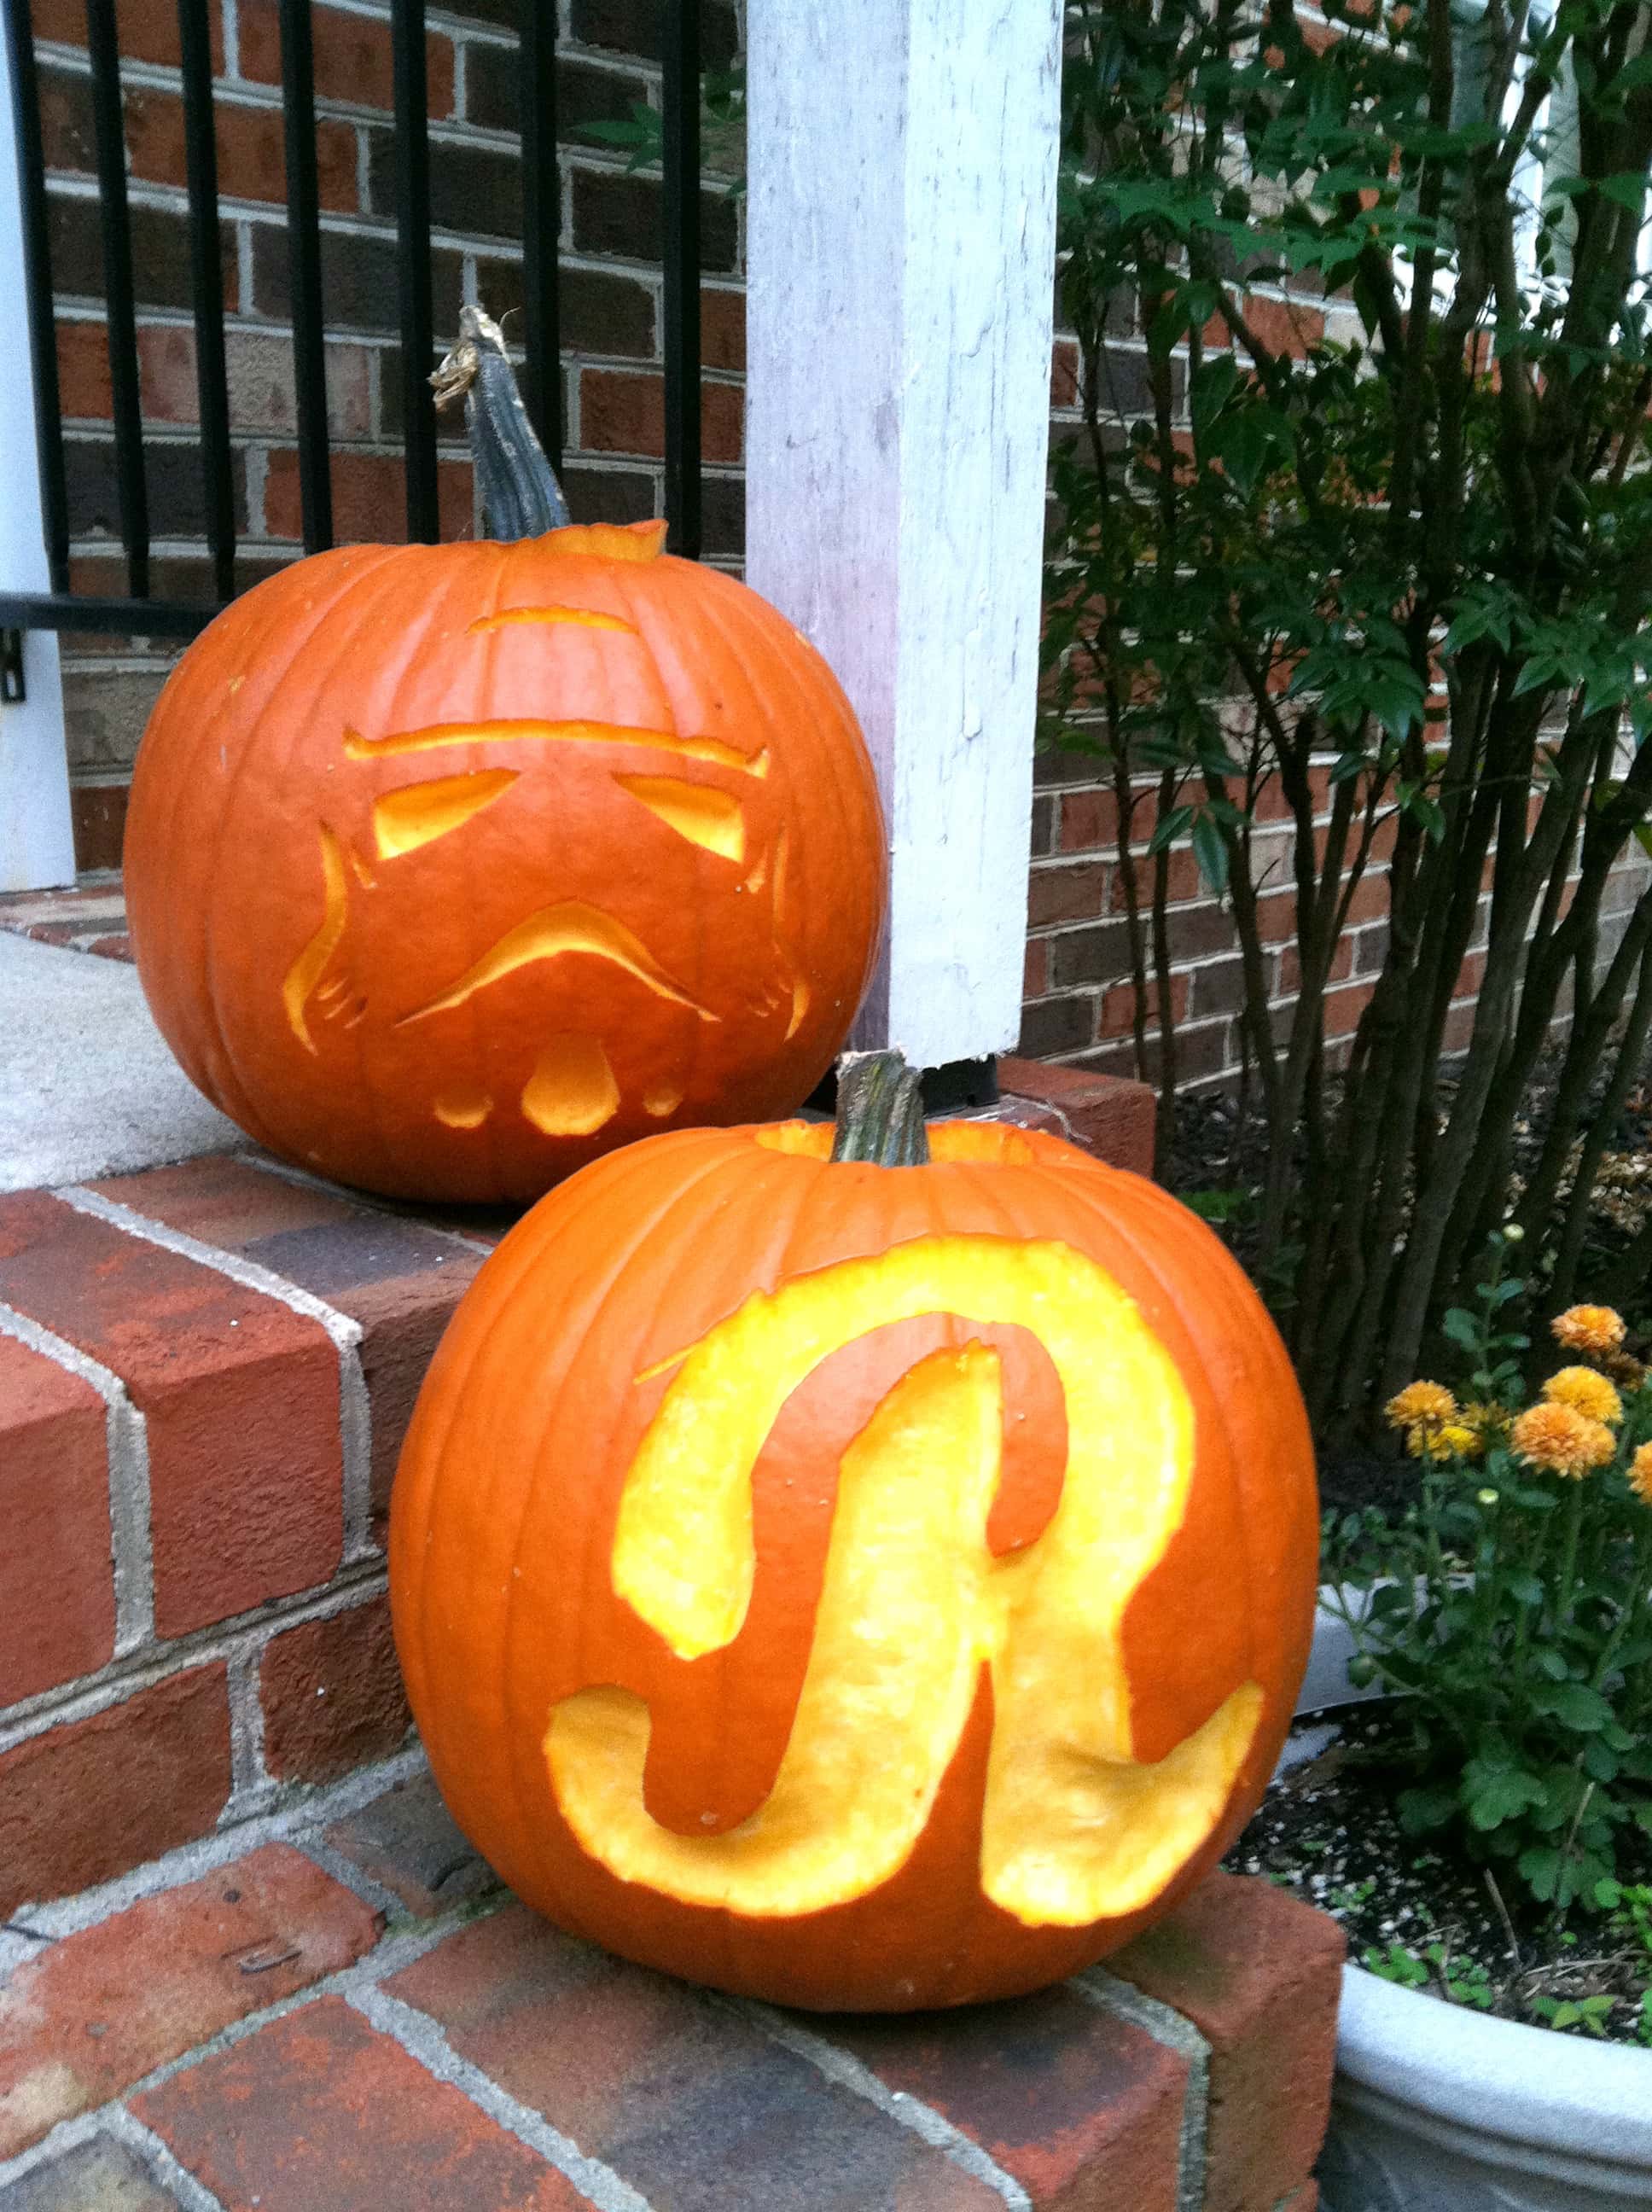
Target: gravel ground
{"type": "Point", "coordinates": [1329, 1830]}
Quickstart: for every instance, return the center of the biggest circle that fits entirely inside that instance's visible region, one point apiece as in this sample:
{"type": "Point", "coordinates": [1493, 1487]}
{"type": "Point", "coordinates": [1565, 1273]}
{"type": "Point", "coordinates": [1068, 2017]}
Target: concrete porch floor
{"type": "Point", "coordinates": [87, 1086]}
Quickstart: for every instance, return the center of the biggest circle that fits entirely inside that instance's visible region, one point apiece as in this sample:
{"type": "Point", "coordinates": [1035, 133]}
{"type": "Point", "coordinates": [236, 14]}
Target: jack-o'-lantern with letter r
{"type": "Point", "coordinates": [864, 1569]}
{"type": "Point", "coordinates": [450, 868]}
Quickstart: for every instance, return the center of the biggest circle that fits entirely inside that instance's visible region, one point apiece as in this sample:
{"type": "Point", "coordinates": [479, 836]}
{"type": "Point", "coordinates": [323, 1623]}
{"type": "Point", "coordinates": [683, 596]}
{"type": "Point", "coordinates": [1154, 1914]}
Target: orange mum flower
{"type": "Point", "coordinates": [1585, 1392]}
{"type": "Point", "coordinates": [1640, 1475]}
{"type": "Point", "coordinates": [1561, 1439]}
{"type": "Point", "coordinates": [1592, 1330]}
{"type": "Point", "coordinates": [1421, 1406]}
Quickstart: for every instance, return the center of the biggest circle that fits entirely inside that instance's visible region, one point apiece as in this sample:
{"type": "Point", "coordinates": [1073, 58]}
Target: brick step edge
{"type": "Point", "coordinates": [359, 1954]}
{"type": "Point", "coordinates": [206, 1372]}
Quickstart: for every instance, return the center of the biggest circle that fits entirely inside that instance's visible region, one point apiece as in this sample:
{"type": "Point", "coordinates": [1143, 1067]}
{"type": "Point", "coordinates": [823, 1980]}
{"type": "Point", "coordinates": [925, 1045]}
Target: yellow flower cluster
{"type": "Point", "coordinates": [1594, 1331]}
{"type": "Point", "coordinates": [1640, 1475]}
{"type": "Point", "coordinates": [1433, 1423]}
{"type": "Point", "coordinates": [1559, 1438]}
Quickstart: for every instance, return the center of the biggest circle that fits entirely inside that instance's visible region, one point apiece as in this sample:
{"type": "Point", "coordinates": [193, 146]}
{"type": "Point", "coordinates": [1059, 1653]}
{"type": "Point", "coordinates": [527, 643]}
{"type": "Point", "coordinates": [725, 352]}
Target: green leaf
{"type": "Point", "coordinates": [1211, 851]}
{"type": "Point", "coordinates": [1462, 1328]}
{"type": "Point", "coordinates": [1575, 1705]}
{"type": "Point", "coordinates": [1540, 1866]}
{"type": "Point", "coordinates": [1600, 1762]}
{"type": "Point", "coordinates": [1421, 1810]}
{"type": "Point", "coordinates": [1498, 1794]}
{"type": "Point", "coordinates": [1628, 188]}
{"type": "Point", "coordinates": [1169, 828]}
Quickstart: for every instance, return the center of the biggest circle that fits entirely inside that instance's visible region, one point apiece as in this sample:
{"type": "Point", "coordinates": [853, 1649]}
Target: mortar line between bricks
{"type": "Point", "coordinates": [169, 2171]}
{"type": "Point", "coordinates": [423, 2040]}
{"type": "Point", "coordinates": [909, 2111]}
{"type": "Point", "coordinates": [333, 1864]}
{"type": "Point", "coordinates": [1123, 2000]}
{"type": "Point", "coordinates": [250, 1784]}
{"type": "Point", "coordinates": [110, 1686]}
{"type": "Point", "coordinates": [68, 1916]}
{"type": "Point", "coordinates": [353, 1423]}
{"type": "Point", "coordinates": [127, 1447]}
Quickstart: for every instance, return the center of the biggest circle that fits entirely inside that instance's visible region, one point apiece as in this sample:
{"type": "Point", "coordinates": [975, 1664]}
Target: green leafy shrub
{"type": "Point", "coordinates": [1510, 1611]}
{"type": "Point", "coordinates": [1322, 602]}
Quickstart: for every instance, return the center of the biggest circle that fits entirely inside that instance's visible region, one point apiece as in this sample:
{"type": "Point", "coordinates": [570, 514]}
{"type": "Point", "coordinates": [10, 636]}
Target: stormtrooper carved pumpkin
{"type": "Point", "coordinates": [449, 867]}
{"type": "Point", "coordinates": [857, 1585]}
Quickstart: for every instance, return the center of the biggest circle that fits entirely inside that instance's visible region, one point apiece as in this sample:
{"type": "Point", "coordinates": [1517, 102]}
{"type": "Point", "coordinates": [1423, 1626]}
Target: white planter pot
{"type": "Point", "coordinates": [1438, 2109]}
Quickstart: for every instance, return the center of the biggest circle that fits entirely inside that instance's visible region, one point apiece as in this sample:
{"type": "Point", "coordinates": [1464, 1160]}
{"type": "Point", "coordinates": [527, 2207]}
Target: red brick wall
{"type": "Point", "coordinates": [1080, 1003]}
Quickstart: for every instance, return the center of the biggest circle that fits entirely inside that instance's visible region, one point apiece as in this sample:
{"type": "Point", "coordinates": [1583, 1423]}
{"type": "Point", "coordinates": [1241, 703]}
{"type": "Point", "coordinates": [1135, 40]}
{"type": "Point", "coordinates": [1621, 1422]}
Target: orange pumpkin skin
{"type": "Point", "coordinates": [526, 1497]}
{"type": "Point", "coordinates": [451, 867]}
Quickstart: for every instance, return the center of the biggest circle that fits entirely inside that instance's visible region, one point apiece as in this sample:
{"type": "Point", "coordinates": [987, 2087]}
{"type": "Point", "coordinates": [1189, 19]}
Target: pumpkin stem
{"type": "Point", "coordinates": [520, 495]}
{"type": "Point", "coordinates": [880, 1111]}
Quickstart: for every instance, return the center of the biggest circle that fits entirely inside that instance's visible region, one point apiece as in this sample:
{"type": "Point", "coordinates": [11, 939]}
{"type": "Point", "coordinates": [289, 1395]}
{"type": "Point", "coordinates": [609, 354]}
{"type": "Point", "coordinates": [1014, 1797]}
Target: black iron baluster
{"type": "Point", "coordinates": [413, 255]}
{"type": "Point", "coordinates": [130, 483]}
{"type": "Point", "coordinates": [207, 290]}
{"type": "Point", "coordinates": [681, 153]}
{"type": "Point", "coordinates": [542, 226]}
{"type": "Point", "coordinates": [303, 262]}
{"type": "Point", "coordinates": [37, 279]}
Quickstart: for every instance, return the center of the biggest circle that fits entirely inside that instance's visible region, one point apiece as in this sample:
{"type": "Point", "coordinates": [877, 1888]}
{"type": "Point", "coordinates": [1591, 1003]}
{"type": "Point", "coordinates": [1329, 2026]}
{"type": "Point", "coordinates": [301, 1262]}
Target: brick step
{"type": "Point", "coordinates": [206, 1372]}
{"type": "Point", "coordinates": [341, 2011]}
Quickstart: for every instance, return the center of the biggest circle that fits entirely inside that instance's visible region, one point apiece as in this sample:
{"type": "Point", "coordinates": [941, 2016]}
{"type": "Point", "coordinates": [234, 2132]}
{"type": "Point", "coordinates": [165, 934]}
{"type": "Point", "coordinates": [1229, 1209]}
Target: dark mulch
{"type": "Point", "coordinates": [1329, 1830]}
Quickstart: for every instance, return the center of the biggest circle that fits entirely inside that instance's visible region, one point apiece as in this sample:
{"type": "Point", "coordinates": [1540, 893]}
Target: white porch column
{"type": "Point", "coordinates": [37, 846]}
{"type": "Point", "coordinates": [902, 167]}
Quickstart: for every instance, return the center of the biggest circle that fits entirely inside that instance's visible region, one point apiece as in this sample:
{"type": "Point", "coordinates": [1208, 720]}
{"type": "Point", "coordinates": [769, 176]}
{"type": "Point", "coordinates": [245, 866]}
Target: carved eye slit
{"type": "Point", "coordinates": [420, 812]}
{"type": "Point", "coordinates": [705, 815]}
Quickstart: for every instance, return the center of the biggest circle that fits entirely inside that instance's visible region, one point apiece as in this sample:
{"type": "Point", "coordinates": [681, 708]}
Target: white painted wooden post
{"type": "Point", "coordinates": [37, 846]}
{"type": "Point", "coordinates": [900, 252]}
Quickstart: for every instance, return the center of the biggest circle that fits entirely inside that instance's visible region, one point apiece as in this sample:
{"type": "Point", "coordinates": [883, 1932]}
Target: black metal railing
{"type": "Point", "coordinates": [136, 611]}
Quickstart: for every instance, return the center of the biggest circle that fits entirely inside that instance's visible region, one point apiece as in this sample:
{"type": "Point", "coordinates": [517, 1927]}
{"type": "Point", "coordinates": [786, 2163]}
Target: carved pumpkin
{"type": "Point", "coordinates": [856, 1585]}
{"type": "Point", "coordinates": [449, 867]}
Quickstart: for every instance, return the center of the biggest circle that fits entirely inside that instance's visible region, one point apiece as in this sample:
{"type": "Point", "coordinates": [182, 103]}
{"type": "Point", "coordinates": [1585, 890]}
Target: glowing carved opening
{"type": "Point", "coordinates": [793, 982]}
{"type": "Point", "coordinates": [572, 1091]}
{"type": "Point", "coordinates": [306, 970]}
{"type": "Point", "coordinates": [697, 811]}
{"type": "Point", "coordinates": [464, 1106]}
{"type": "Point", "coordinates": [513, 617]}
{"type": "Point", "coordinates": [439, 735]}
{"type": "Point", "coordinates": [609, 541]}
{"type": "Point", "coordinates": [664, 1098]}
{"type": "Point", "coordinates": [404, 820]}
{"type": "Point", "coordinates": [913, 1604]}
{"type": "Point", "coordinates": [573, 926]}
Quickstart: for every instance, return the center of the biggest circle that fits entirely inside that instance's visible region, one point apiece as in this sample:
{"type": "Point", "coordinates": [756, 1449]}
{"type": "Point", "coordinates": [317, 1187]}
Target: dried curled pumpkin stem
{"type": "Point", "coordinates": [880, 1111]}
{"type": "Point", "coordinates": [520, 495]}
